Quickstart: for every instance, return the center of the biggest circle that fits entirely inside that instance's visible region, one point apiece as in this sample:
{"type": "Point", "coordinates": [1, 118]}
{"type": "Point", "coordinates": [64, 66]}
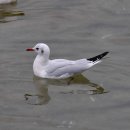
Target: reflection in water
{"type": "Point", "coordinates": [42, 97]}
{"type": "Point", "coordinates": [8, 13]}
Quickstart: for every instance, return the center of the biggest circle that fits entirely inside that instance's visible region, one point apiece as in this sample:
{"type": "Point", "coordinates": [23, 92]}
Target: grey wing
{"type": "Point", "coordinates": [56, 64]}
{"type": "Point", "coordinates": [77, 67]}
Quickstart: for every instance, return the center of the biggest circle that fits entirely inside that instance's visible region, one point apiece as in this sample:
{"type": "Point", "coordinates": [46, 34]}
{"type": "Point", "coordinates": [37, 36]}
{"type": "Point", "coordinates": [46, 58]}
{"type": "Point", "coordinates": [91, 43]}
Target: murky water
{"type": "Point", "coordinates": [73, 29]}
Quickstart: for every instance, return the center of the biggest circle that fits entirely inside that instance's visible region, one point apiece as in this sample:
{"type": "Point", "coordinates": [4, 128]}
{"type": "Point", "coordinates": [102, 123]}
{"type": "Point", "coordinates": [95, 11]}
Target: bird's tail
{"type": "Point", "coordinates": [98, 57]}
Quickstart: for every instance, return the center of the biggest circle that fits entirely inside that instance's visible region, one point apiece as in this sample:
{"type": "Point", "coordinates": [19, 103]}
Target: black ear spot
{"type": "Point", "coordinates": [42, 51]}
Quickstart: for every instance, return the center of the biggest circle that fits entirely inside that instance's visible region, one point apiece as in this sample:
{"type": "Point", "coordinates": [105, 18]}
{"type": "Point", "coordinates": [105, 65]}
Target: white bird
{"type": "Point", "coordinates": [59, 68]}
{"type": "Point", "coordinates": [7, 1]}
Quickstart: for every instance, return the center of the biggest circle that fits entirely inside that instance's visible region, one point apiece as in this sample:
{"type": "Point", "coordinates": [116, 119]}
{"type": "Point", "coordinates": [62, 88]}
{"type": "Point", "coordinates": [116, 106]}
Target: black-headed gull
{"type": "Point", "coordinates": [59, 68]}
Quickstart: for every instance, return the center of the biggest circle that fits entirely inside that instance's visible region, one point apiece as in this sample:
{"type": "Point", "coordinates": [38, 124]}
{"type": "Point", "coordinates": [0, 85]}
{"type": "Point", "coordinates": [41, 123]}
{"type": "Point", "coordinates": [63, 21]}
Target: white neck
{"type": "Point", "coordinates": [39, 64]}
{"type": "Point", "coordinates": [41, 59]}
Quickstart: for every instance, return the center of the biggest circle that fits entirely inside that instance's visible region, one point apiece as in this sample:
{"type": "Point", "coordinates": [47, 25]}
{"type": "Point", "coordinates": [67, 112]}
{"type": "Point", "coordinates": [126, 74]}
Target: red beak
{"type": "Point", "coordinates": [29, 49]}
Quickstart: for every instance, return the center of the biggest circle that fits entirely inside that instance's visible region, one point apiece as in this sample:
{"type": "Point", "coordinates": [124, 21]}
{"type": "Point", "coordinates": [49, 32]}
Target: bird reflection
{"type": "Point", "coordinates": [42, 85]}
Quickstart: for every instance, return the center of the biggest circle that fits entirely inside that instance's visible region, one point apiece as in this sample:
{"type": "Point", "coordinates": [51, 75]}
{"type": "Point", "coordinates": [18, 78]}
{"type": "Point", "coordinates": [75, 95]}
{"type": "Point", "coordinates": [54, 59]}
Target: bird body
{"type": "Point", "coordinates": [59, 68]}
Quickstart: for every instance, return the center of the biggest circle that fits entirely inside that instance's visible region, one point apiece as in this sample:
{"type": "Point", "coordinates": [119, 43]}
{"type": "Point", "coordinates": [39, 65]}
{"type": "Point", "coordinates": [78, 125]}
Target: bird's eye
{"type": "Point", "coordinates": [37, 49]}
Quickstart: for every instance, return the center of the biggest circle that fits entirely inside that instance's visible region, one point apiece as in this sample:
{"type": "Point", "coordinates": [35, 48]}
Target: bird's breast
{"type": "Point", "coordinates": [39, 69]}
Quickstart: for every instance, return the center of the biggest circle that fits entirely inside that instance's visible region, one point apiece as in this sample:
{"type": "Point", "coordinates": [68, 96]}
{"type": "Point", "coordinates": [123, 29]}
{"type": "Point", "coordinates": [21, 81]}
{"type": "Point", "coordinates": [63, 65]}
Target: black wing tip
{"type": "Point", "coordinates": [105, 53]}
{"type": "Point", "coordinates": [98, 57]}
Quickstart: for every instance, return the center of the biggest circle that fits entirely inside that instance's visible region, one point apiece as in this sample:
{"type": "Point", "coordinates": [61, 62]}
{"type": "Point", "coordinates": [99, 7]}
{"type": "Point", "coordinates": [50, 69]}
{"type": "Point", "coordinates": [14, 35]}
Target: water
{"type": "Point", "coordinates": [73, 29]}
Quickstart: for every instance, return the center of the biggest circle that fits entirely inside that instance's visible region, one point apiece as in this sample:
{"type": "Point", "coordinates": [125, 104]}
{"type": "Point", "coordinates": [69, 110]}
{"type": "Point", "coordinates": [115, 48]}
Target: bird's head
{"type": "Point", "coordinates": [40, 49]}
